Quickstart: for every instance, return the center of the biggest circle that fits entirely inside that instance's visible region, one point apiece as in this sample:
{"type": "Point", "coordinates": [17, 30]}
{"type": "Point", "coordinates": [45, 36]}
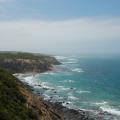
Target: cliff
{"type": "Point", "coordinates": [18, 62]}
{"type": "Point", "coordinates": [18, 103]}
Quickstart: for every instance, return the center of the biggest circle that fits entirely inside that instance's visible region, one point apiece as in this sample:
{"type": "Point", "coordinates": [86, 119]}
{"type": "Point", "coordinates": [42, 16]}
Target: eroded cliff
{"type": "Point", "coordinates": [18, 62]}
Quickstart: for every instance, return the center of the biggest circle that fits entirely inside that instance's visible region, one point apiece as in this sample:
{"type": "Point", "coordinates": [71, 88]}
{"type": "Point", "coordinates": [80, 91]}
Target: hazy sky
{"type": "Point", "coordinates": [60, 26]}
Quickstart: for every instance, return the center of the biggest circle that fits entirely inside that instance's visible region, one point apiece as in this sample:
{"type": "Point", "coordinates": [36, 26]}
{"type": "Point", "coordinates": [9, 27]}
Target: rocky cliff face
{"type": "Point", "coordinates": [18, 103]}
{"type": "Point", "coordinates": [26, 62]}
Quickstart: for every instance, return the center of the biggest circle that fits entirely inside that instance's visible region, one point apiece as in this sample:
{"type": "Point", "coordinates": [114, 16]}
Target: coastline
{"type": "Point", "coordinates": [67, 113]}
{"type": "Point", "coordinates": [31, 66]}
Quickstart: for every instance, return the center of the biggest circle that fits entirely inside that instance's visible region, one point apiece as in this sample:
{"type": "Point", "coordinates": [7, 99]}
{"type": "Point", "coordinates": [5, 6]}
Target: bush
{"type": "Point", "coordinates": [12, 102]}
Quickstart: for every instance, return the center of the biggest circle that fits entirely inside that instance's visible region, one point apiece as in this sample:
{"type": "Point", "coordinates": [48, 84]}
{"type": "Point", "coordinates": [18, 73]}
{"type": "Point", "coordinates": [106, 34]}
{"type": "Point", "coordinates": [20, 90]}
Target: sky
{"type": "Point", "coordinates": [90, 27]}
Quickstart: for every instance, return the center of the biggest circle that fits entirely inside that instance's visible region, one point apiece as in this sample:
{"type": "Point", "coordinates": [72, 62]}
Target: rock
{"type": "Point", "coordinates": [70, 114]}
{"type": "Point", "coordinates": [67, 103]}
{"type": "Point", "coordinates": [52, 89]}
{"type": "Point", "coordinates": [39, 85]}
{"type": "Point", "coordinates": [19, 62]}
{"type": "Point", "coordinates": [45, 88]}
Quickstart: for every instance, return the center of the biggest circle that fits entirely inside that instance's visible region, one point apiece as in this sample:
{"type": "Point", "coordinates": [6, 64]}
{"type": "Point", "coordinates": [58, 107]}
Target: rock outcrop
{"type": "Point", "coordinates": [26, 62]}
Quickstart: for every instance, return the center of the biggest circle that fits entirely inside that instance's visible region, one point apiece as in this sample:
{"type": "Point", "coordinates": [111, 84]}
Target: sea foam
{"type": "Point", "coordinates": [77, 70]}
{"type": "Point", "coordinates": [83, 91]}
{"type": "Point", "coordinates": [60, 57]}
{"type": "Point", "coordinates": [72, 97]}
{"type": "Point", "coordinates": [69, 81]}
{"type": "Point", "coordinates": [110, 110]}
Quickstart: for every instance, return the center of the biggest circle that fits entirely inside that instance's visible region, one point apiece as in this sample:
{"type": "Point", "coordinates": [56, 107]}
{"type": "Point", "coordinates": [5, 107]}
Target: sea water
{"type": "Point", "coordinates": [91, 84]}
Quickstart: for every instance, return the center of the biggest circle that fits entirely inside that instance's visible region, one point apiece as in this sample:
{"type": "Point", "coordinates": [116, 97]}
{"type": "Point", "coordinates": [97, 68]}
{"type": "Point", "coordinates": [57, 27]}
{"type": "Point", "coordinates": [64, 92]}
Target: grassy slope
{"type": "Point", "coordinates": [12, 102]}
{"type": "Point", "coordinates": [17, 102]}
{"type": "Point", "coordinates": [31, 56]}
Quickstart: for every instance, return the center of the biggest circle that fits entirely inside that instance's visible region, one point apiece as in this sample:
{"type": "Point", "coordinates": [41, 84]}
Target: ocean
{"type": "Point", "coordinates": [90, 84]}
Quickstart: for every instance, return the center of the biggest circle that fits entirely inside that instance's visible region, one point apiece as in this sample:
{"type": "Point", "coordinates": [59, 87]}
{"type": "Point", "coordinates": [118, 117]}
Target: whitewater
{"type": "Point", "coordinates": [90, 84]}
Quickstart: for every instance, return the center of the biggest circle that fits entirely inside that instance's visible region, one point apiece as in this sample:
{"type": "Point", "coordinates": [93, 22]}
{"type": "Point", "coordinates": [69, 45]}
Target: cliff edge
{"type": "Point", "coordinates": [18, 103]}
{"type": "Point", "coordinates": [19, 62]}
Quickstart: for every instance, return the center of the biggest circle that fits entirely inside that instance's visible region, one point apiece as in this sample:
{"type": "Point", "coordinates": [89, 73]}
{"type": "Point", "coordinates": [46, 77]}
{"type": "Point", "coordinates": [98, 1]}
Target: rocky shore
{"type": "Point", "coordinates": [70, 114]}
{"type": "Point", "coordinates": [32, 106]}
{"type": "Point", "coordinates": [60, 112]}
{"type": "Point", "coordinates": [65, 112]}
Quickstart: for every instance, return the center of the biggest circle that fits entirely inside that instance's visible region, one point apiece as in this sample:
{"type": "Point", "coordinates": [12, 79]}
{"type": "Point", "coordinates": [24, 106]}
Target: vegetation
{"type": "Point", "coordinates": [17, 102]}
{"type": "Point", "coordinates": [12, 102]}
{"type": "Point", "coordinates": [30, 56]}
{"type": "Point", "coordinates": [22, 55]}
{"type": "Point", "coordinates": [18, 62]}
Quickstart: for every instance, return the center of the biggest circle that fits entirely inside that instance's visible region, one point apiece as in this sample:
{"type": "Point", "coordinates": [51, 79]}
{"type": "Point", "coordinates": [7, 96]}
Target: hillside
{"type": "Point", "coordinates": [18, 62]}
{"type": "Point", "coordinates": [18, 103]}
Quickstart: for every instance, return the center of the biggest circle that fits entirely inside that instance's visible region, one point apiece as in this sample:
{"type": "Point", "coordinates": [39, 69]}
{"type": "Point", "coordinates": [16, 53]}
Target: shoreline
{"type": "Point", "coordinates": [69, 105]}
{"type": "Point", "coordinates": [67, 113]}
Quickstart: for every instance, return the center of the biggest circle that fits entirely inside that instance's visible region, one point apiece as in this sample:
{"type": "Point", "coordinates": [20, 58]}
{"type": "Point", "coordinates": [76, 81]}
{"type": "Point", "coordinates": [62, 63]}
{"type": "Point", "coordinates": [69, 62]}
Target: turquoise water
{"type": "Point", "coordinates": [92, 84]}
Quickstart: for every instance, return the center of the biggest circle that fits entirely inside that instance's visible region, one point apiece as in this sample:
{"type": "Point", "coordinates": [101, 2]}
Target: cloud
{"type": "Point", "coordinates": [84, 35]}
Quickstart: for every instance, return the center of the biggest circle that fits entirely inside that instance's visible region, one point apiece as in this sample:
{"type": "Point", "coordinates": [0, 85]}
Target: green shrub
{"type": "Point", "coordinates": [12, 102]}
